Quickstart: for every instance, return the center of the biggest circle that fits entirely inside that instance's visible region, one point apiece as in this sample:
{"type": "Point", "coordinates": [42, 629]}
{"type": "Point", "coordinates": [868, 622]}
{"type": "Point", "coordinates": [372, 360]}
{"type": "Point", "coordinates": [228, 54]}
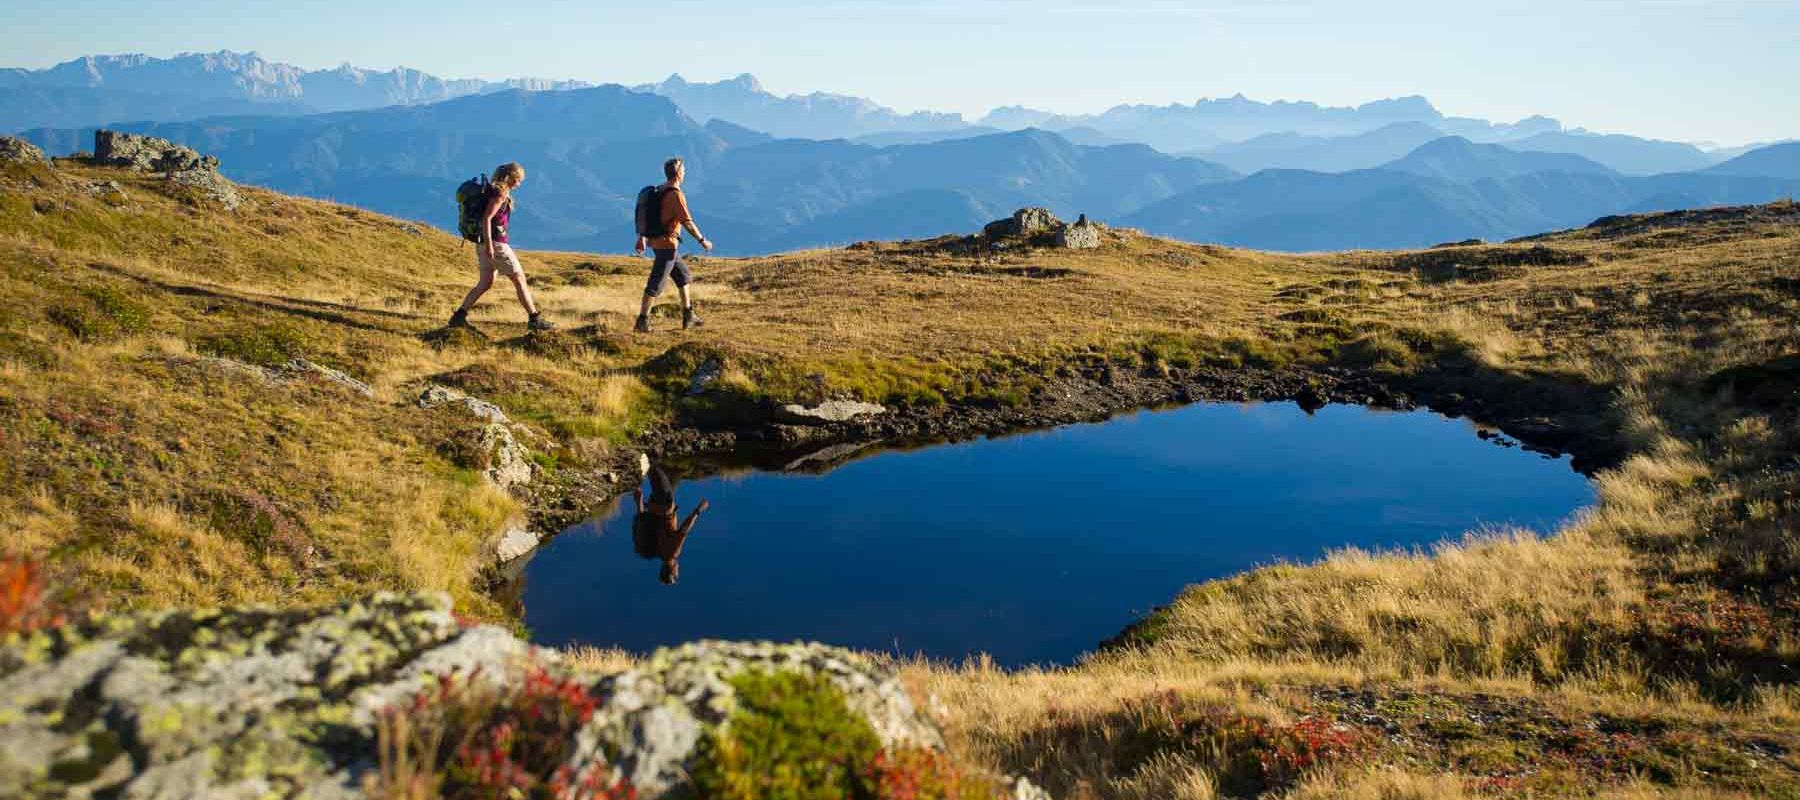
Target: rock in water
{"type": "Point", "coordinates": [828, 412]}
{"type": "Point", "coordinates": [515, 542]}
{"type": "Point", "coordinates": [14, 150]}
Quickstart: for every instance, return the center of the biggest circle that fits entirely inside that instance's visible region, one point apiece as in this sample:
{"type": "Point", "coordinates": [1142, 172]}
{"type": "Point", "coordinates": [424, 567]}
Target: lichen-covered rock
{"type": "Point", "coordinates": [286, 703]}
{"type": "Point", "coordinates": [301, 366]}
{"type": "Point", "coordinates": [435, 395]}
{"type": "Point", "coordinates": [828, 412]}
{"type": "Point", "coordinates": [14, 150]}
{"type": "Point", "coordinates": [508, 462]}
{"type": "Point", "coordinates": [657, 712]}
{"type": "Point", "coordinates": [208, 703]}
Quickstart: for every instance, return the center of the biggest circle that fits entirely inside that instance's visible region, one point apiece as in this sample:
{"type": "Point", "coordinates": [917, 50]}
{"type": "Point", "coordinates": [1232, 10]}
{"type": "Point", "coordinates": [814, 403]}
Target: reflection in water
{"type": "Point", "coordinates": [1031, 548]}
{"type": "Point", "coordinates": [654, 532]}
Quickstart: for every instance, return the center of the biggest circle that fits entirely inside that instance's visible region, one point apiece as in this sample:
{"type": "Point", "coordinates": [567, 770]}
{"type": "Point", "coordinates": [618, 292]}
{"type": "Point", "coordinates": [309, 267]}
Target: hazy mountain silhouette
{"type": "Point", "coordinates": [1390, 208]}
{"type": "Point", "coordinates": [1780, 160]}
{"type": "Point", "coordinates": [1457, 159]}
{"type": "Point", "coordinates": [1323, 153]}
{"type": "Point", "coordinates": [1629, 155]}
{"type": "Point", "coordinates": [744, 101]}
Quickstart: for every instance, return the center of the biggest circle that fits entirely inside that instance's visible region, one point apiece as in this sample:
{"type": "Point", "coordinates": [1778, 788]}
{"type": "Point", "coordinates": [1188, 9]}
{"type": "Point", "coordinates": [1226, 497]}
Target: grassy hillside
{"type": "Point", "coordinates": [159, 447]}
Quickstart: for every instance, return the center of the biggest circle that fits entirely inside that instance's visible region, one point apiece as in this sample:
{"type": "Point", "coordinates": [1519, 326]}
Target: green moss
{"type": "Point", "coordinates": [792, 738]}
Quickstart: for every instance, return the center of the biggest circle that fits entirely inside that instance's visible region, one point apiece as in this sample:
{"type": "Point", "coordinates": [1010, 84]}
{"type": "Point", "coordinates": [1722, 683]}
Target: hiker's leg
{"type": "Point", "coordinates": [481, 284]}
{"type": "Point", "coordinates": [524, 292]}
{"type": "Point", "coordinates": [508, 265]}
{"type": "Point", "coordinates": [687, 300]}
{"type": "Point", "coordinates": [644, 309]}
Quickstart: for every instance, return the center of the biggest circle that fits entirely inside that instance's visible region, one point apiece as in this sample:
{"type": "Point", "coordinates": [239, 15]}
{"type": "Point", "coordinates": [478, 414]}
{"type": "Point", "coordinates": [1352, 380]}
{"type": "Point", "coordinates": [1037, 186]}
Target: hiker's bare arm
{"type": "Point", "coordinates": [639, 249]}
{"type": "Point", "coordinates": [695, 230]}
{"type": "Point", "coordinates": [638, 494]}
{"type": "Point", "coordinates": [693, 517]}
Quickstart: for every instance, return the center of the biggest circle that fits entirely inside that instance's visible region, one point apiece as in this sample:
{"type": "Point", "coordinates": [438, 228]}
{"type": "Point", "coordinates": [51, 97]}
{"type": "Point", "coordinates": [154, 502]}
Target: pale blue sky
{"type": "Point", "coordinates": [1718, 70]}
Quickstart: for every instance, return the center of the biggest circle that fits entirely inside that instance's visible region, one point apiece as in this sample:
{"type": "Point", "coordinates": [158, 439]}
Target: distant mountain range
{"type": "Point", "coordinates": [771, 173]}
{"type": "Point", "coordinates": [1244, 134]}
{"type": "Point", "coordinates": [1446, 190]}
{"type": "Point", "coordinates": [95, 90]}
{"type": "Point", "coordinates": [588, 151]}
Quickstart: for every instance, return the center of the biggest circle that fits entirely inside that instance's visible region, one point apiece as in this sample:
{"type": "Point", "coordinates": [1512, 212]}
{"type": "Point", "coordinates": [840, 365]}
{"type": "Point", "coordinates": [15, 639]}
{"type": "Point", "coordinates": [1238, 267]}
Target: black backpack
{"type": "Point", "coordinates": [649, 212]}
{"type": "Point", "coordinates": [471, 202]}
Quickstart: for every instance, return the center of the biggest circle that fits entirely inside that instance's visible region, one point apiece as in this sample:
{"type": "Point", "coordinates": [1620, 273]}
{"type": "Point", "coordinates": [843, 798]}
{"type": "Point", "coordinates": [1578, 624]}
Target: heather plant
{"type": "Point", "coordinates": [469, 738]}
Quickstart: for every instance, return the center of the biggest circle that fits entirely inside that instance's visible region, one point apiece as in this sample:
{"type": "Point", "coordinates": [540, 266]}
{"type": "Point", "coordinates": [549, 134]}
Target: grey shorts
{"type": "Point", "coordinates": [668, 264]}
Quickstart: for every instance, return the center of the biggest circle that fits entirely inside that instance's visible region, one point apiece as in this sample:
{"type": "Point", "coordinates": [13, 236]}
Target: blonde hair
{"type": "Point", "coordinates": [509, 174]}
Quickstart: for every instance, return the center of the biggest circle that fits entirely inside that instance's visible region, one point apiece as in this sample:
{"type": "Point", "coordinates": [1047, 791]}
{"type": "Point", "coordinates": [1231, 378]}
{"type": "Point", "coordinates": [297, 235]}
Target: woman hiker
{"type": "Point", "coordinates": [494, 254]}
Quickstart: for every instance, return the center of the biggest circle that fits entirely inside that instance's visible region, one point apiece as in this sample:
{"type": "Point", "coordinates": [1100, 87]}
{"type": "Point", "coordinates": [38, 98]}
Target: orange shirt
{"type": "Point", "coordinates": [674, 212]}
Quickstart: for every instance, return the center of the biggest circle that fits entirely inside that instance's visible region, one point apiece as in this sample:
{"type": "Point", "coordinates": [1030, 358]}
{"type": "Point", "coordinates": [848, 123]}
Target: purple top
{"type": "Point", "coordinates": [501, 217]}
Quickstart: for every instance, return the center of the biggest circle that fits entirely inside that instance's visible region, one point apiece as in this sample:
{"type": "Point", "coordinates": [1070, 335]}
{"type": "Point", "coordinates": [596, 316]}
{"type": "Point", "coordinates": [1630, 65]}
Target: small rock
{"type": "Point", "coordinates": [305, 367]}
{"type": "Point", "coordinates": [516, 541]}
{"type": "Point", "coordinates": [829, 411]}
{"type": "Point", "coordinates": [509, 463]}
{"type": "Point", "coordinates": [435, 395]}
{"type": "Point", "coordinates": [14, 150]}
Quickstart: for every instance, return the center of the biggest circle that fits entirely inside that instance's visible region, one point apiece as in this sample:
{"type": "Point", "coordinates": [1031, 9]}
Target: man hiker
{"type": "Point", "coordinates": [486, 211]}
{"type": "Point", "coordinates": [654, 532]}
{"type": "Point", "coordinates": [662, 233]}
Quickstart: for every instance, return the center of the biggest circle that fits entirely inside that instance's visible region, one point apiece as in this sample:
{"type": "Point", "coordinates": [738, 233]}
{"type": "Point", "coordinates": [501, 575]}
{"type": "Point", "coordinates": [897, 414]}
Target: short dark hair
{"type": "Point", "coordinates": [670, 166]}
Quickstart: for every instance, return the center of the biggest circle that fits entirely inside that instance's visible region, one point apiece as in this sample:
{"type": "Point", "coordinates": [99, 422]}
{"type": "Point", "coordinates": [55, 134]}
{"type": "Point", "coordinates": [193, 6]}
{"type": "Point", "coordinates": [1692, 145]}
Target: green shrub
{"type": "Point", "coordinates": [792, 738]}
{"type": "Point", "coordinates": [101, 313]}
{"type": "Point", "coordinates": [267, 345]}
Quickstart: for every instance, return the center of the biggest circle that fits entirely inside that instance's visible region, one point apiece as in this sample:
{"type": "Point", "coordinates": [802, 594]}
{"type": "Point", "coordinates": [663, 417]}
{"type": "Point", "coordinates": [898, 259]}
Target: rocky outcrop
{"type": "Point", "coordinates": [1024, 222]}
{"type": "Point", "coordinates": [180, 164]}
{"type": "Point", "coordinates": [249, 703]}
{"type": "Point", "coordinates": [14, 150]}
{"type": "Point", "coordinates": [828, 412]}
{"type": "Point", "coordinates": [147, 153]}
{"type": "Point", "coordinates": [285, 703]}
{"type": "Point", "coordinates": [1079, 235]}
{"type": "Point", "coordinates": [1037, 226]}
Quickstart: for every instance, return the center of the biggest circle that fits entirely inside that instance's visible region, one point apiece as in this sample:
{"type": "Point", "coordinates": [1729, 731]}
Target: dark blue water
{"type": "Point", "coordinates": [1033, 548]}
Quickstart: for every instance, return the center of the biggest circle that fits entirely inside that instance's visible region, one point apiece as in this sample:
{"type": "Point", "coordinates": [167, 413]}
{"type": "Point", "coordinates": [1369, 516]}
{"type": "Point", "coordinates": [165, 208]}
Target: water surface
{"type": "Point", "coordinates": [1035, 547]}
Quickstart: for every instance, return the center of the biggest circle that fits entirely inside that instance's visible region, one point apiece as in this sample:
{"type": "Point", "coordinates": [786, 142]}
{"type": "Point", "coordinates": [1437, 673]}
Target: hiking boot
{"type": "Point", "coordinates": [538, 323]}
{"type": "Point", "coordinates": [643, 324]}
{"type": "Point", "coordinates": [460, 319]}
{"type": "Point", "coordinates": [688, 320]}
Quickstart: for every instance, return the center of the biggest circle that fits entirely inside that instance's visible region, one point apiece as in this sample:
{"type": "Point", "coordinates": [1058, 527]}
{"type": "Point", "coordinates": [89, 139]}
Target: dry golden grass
{"type": "Point", "coordinates": [152, 475]}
